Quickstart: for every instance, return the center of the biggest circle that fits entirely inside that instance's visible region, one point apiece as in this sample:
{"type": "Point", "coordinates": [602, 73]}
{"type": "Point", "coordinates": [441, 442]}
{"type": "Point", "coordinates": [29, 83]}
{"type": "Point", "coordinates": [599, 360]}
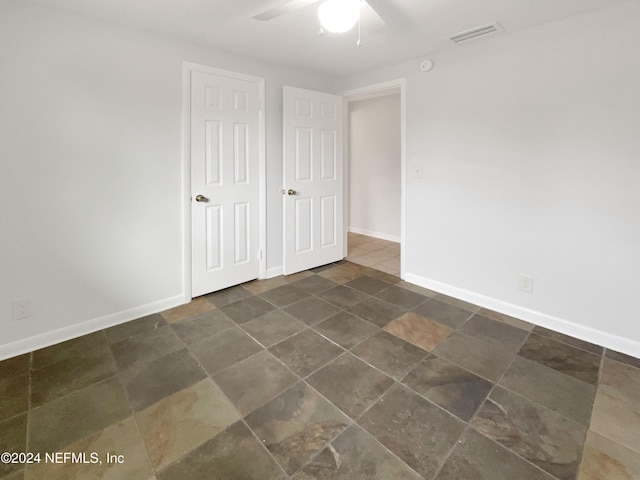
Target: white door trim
{"type": "Point", "coordinates": [370, 91]}
{"type": "Point", "coordinates": [187, 68]}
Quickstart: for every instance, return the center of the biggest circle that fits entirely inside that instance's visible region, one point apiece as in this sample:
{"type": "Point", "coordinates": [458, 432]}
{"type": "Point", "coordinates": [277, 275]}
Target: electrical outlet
{"type": "Point", "coordinates": [22, 308]}
{"type": "Point", "coordinates": [525, 283]}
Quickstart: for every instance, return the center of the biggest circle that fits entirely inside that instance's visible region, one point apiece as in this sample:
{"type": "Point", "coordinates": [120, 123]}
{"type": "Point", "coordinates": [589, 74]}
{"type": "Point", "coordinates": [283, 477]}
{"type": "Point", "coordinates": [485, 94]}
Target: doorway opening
{"type": "Point", "coordinates": [374, 185]}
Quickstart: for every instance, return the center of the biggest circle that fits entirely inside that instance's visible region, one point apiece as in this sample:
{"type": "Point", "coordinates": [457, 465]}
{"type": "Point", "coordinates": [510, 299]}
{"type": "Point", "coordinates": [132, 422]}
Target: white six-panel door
{"type": "Point", "coordinates": [313, 179]}
{"type": "Point", "coordinates": [224, 181]}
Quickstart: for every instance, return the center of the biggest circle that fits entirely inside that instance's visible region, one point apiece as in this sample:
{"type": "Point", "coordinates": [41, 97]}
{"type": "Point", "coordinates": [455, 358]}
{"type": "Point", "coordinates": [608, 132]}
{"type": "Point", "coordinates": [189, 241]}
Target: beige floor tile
{"type": "Point", "coordinates": [261, 286]}
{"type": "Point", "coordinates": [419, 330]}
{"type": "Point", "coordinates": [195, 307]}
{"type": "Point", "coordinates": [621, 379]}
{"type": "Point", "coordinates": [370, 246]}
{"type": "Point", "coordinates": [365, 260]}
{"type": "Point", "coordinates": [340, 274]}
{"type": "Point", "coordinates": [298, 276]}
{"type": "Point", "coordinates": [184, 420]}
{"type": "Point", "coordinates": [392, 262]}
{"type": "Point", "coordinates": [617, 418]}
{"type": "Point", "coordinates": [122, 438]}
{"type": "Point", "coordinates": [605, 460]}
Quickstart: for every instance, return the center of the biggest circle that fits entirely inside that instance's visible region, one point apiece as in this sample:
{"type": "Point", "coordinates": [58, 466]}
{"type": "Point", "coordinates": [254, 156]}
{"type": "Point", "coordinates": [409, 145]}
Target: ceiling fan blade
{"type": "Point", "coordinates": [283, 8]}
{"type": "Point", "coordinates": [390, 14]}
{"type": "Point", "coordinates": [372, 23]}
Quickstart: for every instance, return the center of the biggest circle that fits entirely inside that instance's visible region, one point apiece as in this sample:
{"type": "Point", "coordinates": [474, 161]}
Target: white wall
{"type": "Point", "coordinates": [90, 180]}
{"type": "Point", "coordinates": [374, 166]}
{"type": "Point", "coordinates": [531, 154]}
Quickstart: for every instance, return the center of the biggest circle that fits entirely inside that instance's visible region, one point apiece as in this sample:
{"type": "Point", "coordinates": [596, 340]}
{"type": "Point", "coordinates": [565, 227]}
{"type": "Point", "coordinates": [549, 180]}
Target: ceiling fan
{"type": "Point", "coordinates": [339, 16]}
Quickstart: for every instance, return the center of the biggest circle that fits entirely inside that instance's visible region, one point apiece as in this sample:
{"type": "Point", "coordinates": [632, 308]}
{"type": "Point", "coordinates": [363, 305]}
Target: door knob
{"type": "Point", "coordinates": [291, 192]}
{"type": "Point", "coordinates": [201, 198]}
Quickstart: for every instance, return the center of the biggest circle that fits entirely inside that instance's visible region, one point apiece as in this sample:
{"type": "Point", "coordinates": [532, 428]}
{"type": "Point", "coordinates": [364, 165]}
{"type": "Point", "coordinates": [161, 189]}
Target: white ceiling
{"type": "Point", "coordinates": [293, 39]}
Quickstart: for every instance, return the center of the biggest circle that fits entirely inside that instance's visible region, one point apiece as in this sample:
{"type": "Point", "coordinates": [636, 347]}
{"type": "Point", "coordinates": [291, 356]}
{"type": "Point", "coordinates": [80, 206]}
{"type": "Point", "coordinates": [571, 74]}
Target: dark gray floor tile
{"type": "Point", "coordinates": [228, 295]}
{"type": "Point", "coordinates": [199, 327]}
{"type": "Point", "coordinates": [254, 381]}
{"type": "Point", "coordinates": [343, 296]}
{"type": "Point", "coordinates": [443, 313]}
{"type": "Point", "coordinates": [312, 310]}
{"type": "Point", "coordinates": [14, 396]}
{"type": "Point", "coordinates": [561, 393]}
{"type": "Point", "coordinates": [284, 295]}
{"type": "Point", "coordinates": [129, 329]}
{"type": "Point", "coordinates": [13, 435]}
{"type": "Point", "coordinates": [401, 297]}
{"type": "Point", "coordinates": [346, 329]}
{"type": "Point", "coordinates": [314, 284]}
{"type": "Point", "coordinates": [146, 384]}
{"type": "Point", "coordinates": [415, 288]}
{"type": "Point", "coordinates": [391, 354]}
{"type": "Point", "coordinates": [15, 366]}
{"type": "Point", "coordinates": [62, 378]}
{"type": "Point", "coordinates": [61, 422]}
{"type": "Point", "coordinates": [470, 307]}
{"type": "Point", "coordinates": [501, 317]}
{"type": "Point", "coordinates": [247, 309]}
{"type": "Point", "coordinates": [564, 358]}
{"type": "Point", "coordinates": [66, 350]}
{"type": "Point", "coordinates": [273, 327]}
{"type": "Point", "coordinates": [233, 454]}
{"type": "Point", "coordinates": [453, 388]}
{"type": "Point", "coordinates": [355, 455]}
{"type": "Point", "coordinates": [322, 268]}
{"type": "Point", "coordinates": [368, 285]}
{"type": "Point", "coordinates": [305, 352]}
{"type": "Point", "coordinates": [574, 342]}
{"type": "Point", "coordinates": [537, 434]}
{"type": "Point", "coordinates": [487, 359]}
{"type": "Point", "coordinates": [297, 425]}
{"type": "Point", "coordinates": [488, 329]}
{"type": "Point", "coordinates": [621, 357]}
{"type": "Point", "coordinates": [365, 384]}
{"type": "Point", "coordinates": [220, 351]}
{"type": "Point", "coordinates": [376, 311]}
{"type": "Point", "coordinates": [414, 429]}
{"type": "Point", "coordinates": [146, 347]}
{"type": "Point", "coordinates": [380, 275]}
{"type": "Point", "coordinates": [478, 458]}
{"type": "Point", "coordinates": [19, 475]}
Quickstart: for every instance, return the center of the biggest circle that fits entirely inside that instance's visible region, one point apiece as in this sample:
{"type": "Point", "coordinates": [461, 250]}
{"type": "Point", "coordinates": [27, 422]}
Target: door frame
{"type": "Point", "coordinates": [361, 93]}
{"type": "Point", "coordinates": [187, 68]}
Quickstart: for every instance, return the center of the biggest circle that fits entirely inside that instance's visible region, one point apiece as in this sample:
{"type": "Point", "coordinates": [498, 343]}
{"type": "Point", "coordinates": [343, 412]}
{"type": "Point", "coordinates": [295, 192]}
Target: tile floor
{"type": "Point", "coordinates": [372, 252]}
{"type": "Point", "coordinates": [342, 372]}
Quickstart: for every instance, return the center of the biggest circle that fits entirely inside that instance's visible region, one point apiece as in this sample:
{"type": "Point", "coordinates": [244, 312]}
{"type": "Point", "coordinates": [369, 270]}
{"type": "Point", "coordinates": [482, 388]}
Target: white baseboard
{"type": "Point", "coordinates": [583, 332]}
{"type": "Point", "coordinates": [371, 233]}
{"type": "Point", "coordinates": [58, 335]}
{"type": "Point", "coordinates": [274, 272]}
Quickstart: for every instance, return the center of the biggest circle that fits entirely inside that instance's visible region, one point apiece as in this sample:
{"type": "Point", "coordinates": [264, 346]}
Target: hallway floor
{"type": "Point", "coordinates": [373, 252]}
{"type": "Point", "coordinates": [341, 372]}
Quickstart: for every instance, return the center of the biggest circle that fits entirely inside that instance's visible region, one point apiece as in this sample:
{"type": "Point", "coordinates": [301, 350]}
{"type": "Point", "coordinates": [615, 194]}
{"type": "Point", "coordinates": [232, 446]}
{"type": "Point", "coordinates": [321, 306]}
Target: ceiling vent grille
{"type": "Point", "coordinates": [476, 32]}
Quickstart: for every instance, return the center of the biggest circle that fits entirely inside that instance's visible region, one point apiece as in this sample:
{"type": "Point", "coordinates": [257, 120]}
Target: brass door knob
{"type": "Point", "coordinates": [201, 198]}
{"type": "Point", "coordinates": [291, 192]}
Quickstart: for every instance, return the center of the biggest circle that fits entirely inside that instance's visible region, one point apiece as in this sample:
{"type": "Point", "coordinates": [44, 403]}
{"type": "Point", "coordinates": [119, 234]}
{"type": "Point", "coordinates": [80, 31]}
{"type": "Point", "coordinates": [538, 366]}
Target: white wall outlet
{"type": "Point", "coordinates": [417, 170]}
{"type": "Point", "coordinates": [525, 283]}
{"type": "Point", "coordinates": [22, 308]}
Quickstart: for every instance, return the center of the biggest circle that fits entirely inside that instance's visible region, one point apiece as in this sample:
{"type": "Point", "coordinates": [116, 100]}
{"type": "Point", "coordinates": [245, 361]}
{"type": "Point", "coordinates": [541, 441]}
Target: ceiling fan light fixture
{"type": "Point", "coordinates": [339, 16]}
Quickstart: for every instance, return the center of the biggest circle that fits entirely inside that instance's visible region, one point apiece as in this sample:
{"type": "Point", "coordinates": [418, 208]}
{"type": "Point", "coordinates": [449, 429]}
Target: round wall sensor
{"type": "Point", "coordinates": [426, 65]}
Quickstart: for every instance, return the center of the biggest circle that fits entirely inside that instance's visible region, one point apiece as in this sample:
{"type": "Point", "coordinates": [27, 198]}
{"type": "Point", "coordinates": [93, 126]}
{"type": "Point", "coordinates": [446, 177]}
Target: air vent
{"type": "Point", "coordinates": [476, 32]}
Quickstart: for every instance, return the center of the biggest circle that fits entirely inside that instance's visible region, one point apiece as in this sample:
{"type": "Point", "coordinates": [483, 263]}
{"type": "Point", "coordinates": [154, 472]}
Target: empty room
{"type": "Point", "coordinates": [319, 239]}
